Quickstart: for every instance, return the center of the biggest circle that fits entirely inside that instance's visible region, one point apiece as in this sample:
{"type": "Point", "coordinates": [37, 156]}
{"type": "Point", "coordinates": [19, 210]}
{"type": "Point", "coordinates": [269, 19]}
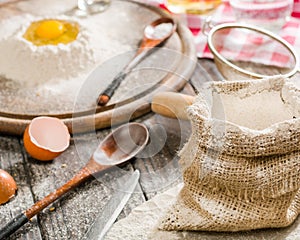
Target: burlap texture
{"type": "Point", "coordinates": [241, 164]}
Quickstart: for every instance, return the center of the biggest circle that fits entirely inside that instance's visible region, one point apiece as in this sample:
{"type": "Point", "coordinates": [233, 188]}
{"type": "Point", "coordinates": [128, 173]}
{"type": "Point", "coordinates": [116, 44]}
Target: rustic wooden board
{"type": "Point", "coordinates": [71, 216]}
{"type": "Point", "coordinates": [12, 161]}
{"type": "Point", "coordinates": [74, 213]}
{"type": "Point", "coordinates": [79, 111]}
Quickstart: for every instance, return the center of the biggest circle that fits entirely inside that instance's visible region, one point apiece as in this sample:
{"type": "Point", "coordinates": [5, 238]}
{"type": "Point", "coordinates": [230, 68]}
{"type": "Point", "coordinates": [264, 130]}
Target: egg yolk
{"type": "Point", "coordinates": [51, 32]}
{"type": "Point", "coordinates": [50, 29]}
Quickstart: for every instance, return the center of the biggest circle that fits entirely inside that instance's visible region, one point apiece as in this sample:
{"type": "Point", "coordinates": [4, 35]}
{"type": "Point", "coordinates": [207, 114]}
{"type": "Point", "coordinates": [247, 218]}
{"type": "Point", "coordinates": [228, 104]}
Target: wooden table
{"type": "Point", "coordinates": [71, 216]}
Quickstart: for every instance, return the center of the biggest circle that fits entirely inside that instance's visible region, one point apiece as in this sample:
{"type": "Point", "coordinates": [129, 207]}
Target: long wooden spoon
{"type": "Point", "coordinates": [154, 34]}
{"type": "Point", "coordinates": [118, 147]}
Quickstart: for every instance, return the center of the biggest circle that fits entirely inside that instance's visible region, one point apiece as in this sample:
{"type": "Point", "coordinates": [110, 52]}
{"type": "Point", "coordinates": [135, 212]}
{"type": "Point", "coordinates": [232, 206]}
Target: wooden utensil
{"type": "Point", "coordinates": [118, 147]}
{"type": "Point", "coordinates": [154, 35]}
{"type": "Point", "coordinates": [171, 104]}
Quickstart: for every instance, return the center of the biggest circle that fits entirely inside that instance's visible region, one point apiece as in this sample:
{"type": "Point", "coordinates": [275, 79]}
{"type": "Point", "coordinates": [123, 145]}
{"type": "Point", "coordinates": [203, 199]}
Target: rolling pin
{"type": "Point", "coordinates": [171, 104]}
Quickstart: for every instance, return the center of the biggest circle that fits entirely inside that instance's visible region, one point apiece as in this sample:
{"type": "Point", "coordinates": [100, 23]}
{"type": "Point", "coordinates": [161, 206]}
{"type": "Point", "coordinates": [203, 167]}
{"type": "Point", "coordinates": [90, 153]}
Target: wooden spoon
{"type": "Point", "coordinates": [118, 147]}
{"type": "Point", "coordinates": [154, 34]}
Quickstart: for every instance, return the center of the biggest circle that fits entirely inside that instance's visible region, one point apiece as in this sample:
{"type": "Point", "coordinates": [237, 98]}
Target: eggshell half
{"type": "Point", "coordinates": [45, 138]}
{"type": "Point", "coordinates": [8, 186]}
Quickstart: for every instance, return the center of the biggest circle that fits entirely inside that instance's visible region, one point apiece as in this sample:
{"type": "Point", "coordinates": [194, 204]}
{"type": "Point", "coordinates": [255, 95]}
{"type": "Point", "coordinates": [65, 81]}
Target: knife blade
{"type": "Point", "coordinates": [112, 209]}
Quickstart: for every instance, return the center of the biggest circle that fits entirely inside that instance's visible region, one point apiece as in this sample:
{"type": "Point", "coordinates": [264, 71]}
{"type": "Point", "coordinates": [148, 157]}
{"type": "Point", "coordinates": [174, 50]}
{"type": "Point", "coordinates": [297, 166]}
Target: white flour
{"type": "Point", "coordinates": [31, 65]}
{"type": "Point", "coordinates": [48, 67]}
{"type": "Point", "coordinates": [250, 113]}
{"type": "Point", "coordinates": [112, 37]}
{"type": "Point", "coordinates": [46, 7]}
{"type": "Point", "coordinates": [159, 32]}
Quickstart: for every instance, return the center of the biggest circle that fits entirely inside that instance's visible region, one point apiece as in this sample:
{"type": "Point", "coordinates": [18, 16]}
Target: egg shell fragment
{"type": "Point", "coordinates": [8, 186]}
{"type": "Point", "coordinates": [45, 138]}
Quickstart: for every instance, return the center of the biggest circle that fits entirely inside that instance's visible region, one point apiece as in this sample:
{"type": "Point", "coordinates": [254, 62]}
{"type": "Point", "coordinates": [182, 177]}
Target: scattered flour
{"type": "Point", "coordinates": [54, 7]}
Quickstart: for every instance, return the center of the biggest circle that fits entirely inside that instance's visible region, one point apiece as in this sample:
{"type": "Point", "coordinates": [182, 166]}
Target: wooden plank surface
{"type": "Point", "coordinates": [71, 216]}
{"type": "Point", "coordinates": [12, 160]}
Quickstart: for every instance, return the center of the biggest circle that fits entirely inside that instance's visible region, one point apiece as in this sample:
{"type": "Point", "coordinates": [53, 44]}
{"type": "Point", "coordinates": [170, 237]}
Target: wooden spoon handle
{"type": "Point", "coordinates": [23, 218]}
{"type": "Point", "coordinates": [109, 91]}
{"type": "Point", "coordinates": [12, 226]}
{"type": "Point", "coordinates": [105, 96]}
{"type": "Point", "coordinates": [171, 104]}
{"type": "Point", "coordinates": [80, 177]}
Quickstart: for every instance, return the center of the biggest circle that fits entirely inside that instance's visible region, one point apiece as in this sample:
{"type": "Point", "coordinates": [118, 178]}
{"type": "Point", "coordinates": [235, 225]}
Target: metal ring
{"type": "Point", "coordinates": [257, 29]}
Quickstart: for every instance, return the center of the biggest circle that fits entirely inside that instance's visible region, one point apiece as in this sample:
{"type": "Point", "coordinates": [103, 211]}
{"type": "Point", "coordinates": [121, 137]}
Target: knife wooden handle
{"type": "Point", "coordinates": [171, 104]}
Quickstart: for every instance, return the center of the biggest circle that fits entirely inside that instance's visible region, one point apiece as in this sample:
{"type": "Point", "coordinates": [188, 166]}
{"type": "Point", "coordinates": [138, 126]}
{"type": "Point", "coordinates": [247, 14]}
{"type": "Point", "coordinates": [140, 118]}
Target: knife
{"type": "Point", "coordinates": [112, 209]}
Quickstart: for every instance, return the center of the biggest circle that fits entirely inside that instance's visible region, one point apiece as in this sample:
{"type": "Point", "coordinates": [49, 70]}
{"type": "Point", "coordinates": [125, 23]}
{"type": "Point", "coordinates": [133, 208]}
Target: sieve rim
{"type": "Point", "coordinates": [257, 29]}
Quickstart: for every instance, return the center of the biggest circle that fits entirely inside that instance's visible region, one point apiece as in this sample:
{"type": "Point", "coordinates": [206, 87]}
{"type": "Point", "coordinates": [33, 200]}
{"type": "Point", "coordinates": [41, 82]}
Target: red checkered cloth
{"type": "Point", "coordinates": [290, 32]}
{"type": "Point", "coordinates": [223, 14]}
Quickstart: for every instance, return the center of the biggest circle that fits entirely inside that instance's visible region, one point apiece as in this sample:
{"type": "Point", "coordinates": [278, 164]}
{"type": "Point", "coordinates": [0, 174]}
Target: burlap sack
{"type": "Point", "coordinates": [241, 164]}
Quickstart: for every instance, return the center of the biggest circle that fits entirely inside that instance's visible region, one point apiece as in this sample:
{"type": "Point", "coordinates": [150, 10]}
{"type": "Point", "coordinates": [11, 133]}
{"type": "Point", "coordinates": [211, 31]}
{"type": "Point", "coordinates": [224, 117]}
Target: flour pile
{"type": "Point", "coordinates": [28, 64]}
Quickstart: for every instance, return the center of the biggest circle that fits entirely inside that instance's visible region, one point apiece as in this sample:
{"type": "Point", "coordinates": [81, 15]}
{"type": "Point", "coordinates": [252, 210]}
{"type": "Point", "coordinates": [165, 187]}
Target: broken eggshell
{"type": "Point", "coordinates": [8, 186]}
{"type": "Point", "coordinates": [45, 138]}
